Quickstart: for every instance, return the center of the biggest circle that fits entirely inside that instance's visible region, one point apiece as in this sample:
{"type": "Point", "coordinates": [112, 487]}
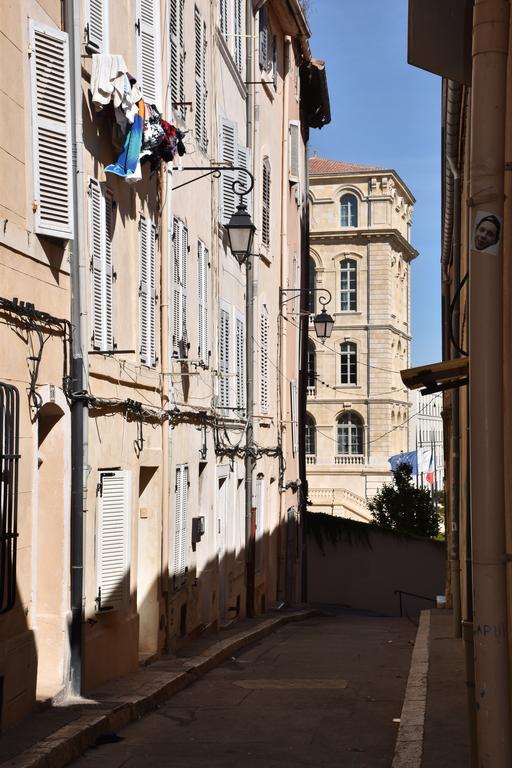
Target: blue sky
{"type": "Point", "coordinates": [386, 113]}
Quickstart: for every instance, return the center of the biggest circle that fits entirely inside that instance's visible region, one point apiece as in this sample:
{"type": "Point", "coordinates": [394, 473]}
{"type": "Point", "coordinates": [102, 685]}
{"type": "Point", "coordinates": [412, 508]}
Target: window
{"type": "Point", "coordinates": [348, 354]}
{"type": "Point", "coordinates": [311, 369]}
{"type": "Point", "coordinates": [179, 550]}
{"type": "Point", "coordinates": [202, 283]}
{"type": "Point", "coordinates": [51, 131]}
{"type": "Point", "coordinates": [100, 239]}
{"type": "Point", "coordinates": [113, 523]}
{"type": "Point", "coordinates": [96, 25]}
{"type": "Point", "coordinates": [224, 358]}
{"type": "Point", "coordinates": [177, 57]}
{"type": "Point", "coordinates": [310, 301]}
{"type": "Point", "coordinates": [348, 286]}
{"type": "Point", "coordinates": [9, 460]}
{"type": "Point", "coordinates": [147, 291]}
{"type": "Point", "coordinates": [349, 434]}
{"type": "Point", "coordinates": [265, 203]}
{"type": "Point", "coordinates": [234, 154]}
{"type": "Point", "coordinates": [148, 49]}
{"type": "Point", "coordinates": [200, 79]}
{"type": "Point", "coordinates": [310, 436]}
{"type": "Point", "coordinates": [264, 383]}
{"type": "Point", "coordinates": [179, 290]}
{"type": "Point", "coordinates": [348, 211]}
{"type": "Point", "coordinates": [240, 362]}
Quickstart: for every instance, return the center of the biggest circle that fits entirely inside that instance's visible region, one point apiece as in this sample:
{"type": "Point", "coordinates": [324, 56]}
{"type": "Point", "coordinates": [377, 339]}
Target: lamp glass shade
{"type": "Point", "coordinates": [240, 233]}
{"type": "Point", "coordinates": [323, 324]}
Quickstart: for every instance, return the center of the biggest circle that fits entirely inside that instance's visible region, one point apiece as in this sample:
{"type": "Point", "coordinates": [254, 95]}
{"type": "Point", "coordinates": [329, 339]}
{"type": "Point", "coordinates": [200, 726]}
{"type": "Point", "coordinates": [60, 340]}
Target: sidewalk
{"type": "Point", "coordinates": [53, 736]}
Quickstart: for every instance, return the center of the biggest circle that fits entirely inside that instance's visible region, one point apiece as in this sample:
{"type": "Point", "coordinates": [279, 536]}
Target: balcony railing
{"type": "Point", "coordinates": [349, 458]}
{"type": "Point", "coordinates": [310, 458]}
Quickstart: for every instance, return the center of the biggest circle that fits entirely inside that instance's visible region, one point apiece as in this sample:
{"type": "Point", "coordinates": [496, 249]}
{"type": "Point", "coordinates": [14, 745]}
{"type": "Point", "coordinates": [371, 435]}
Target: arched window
{"type": "Point", "coordinates": [348, 354]}
{"type": "Point", "coordinates": [348, 211]}
{"type": "Point", "coordinates": [348, 285]}
{"type": "Point", "coordinates": [311, 369]}
{"type": "Point", "coordinates": [310, 303]}
{"type": "Point", "coordinates": [349, 434]}
{"type": "Point", "coordinates": [310, 436]}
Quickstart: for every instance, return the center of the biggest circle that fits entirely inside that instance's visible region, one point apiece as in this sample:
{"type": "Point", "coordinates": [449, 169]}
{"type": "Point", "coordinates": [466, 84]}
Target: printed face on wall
{"type": "Point", "coordinates": [486, 235]}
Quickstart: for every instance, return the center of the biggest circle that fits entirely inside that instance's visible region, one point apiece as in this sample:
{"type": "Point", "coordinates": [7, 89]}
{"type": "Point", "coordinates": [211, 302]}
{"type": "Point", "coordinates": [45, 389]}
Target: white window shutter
{"type": "Point", "coordinates": [51, 127]}
{"type": "Point", "coordinates": [202, 282]}
{"type": "Point", "coordinates": [177, 56]}
{"type": "Point", "coordinates": [179, 545]}
{"type": "Point", "coordinates": [244, 160]}
{"type": "Point", "coordinates": [224, 358]}
{"type": "Point", "coordinates": [228, 154]}
{"type": "Point", "coordinates": [148, 49]}
{"type": "Point", "coordinates": [264, 383]}
{"type": "Point", "coordinates": [240, 363]}
{"type": "Point", "coordinates": [113, 523]}
{"type": "Point", "coordinates": [294, 159]}
{"type": "Point", "coordinates": [96, 25]}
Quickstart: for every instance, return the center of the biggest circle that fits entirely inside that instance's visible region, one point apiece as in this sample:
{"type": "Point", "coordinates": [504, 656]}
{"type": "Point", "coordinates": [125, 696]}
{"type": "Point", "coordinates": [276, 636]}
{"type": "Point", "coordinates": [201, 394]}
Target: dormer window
{"type": "Point", "coordinates": [348, 211]}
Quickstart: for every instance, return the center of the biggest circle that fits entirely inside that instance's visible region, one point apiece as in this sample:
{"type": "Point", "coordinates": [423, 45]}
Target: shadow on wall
{"type": "Point", "coordinates": [362, 566]}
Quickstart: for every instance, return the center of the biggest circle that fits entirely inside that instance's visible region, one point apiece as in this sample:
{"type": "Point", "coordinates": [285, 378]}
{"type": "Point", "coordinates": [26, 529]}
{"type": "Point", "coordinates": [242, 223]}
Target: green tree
{"type": "Point", "coordinates": [400, 506]}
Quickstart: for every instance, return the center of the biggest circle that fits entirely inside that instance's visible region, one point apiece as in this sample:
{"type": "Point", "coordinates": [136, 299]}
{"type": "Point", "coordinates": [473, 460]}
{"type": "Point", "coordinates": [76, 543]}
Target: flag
{"type": "Point", "coordinates": [411, 457]}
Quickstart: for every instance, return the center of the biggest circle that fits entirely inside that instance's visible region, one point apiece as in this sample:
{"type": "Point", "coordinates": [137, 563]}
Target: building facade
{"type": "Point", "coordinates": [360, 259]}
{"type": "Point", "coordinates": [124, 412]}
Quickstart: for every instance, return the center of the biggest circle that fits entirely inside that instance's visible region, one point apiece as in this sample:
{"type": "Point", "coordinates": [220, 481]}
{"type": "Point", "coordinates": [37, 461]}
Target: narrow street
{"type": "Point", "coordinates": [321, 692]}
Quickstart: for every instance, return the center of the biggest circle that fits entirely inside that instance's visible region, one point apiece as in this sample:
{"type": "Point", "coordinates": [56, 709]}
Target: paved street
{"type": "Point", "coordinates": [322, 692]}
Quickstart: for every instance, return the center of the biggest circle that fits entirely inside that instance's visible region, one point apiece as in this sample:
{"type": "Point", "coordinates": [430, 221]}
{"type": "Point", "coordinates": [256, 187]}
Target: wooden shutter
{"type": "Point", "coordinates": [200, 80]}
{"type": "Point", "coordinates": [96, 25]}
{"type": "Point", "coordinates": [294, 160]}
{"type": "Point", "coordinates": [240, 363]}
{"type": "Point", "coordinates": [243, 159]}
{"type": "Point", "coordinates": [228, 154]}
{"type": "Point", "coordinates": [224, 358]}
{"type": "Point", "coordinates": [51, 127]}
{"type": "Point", "coordinates": [202, 283]}
{"type": "Point", "coordinates": [265, 203]}
{"type": "Point", "coordinates": [147, 291]}
{"type": "Point", "coordinates": [179, 561]}
{"type": "Point", "coordinates": [113, 523]}
{"type": "Point", "coordinates": [148, 49]}
{"type": "Point", "coordinates": [264, 383]}
{"type": "Point", "coordinates": [177, 56]}
{"type": "Point", "coordinates": [100, 234]}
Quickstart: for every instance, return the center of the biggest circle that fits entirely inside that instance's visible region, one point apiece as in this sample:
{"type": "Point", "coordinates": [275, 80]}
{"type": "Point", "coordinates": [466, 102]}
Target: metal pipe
{"type": "Point", "coordinates": [486, 193]}
{"type": "Point", "coordinates": [79, 369]}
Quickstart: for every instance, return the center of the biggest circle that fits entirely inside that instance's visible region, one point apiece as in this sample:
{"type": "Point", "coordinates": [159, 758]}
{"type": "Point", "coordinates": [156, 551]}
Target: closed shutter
{"type": "Point", "coordinates": [101, 229]}
{"type": "Point", "coordinates": [294, 164]}
{"type": "Point", "coordinates": [148, 49]}
{"type": "Point", "coordinates": [240, 364]}
{"type": "Point", "coordinates": [238, 39]}
{"type": "Point", "coordinates": [200, 80]}
{"type": "Point", "coordinates": [224, 358]}
{"type": "Point", "coordinates": [177, 56]}
{"type": "Point", "coordinates": [113, 538]}
{"type": "Point", "coordinates": [179, 546]}
{"type": "Point", "coordinates": [244, 161]}
{"type": "Point", "coordinates": [147, 291]}
{"type": "Point", "coordinates": [264, 383]}
{"type": "Point", "coordinates": [202, 282]}
{"type": "Point", "coordinates": [96, 25]}
{"type": "Point", "coordinates": [265, 203]}
{"type": "Point", "coordinates": [51, 126]}
{"type": "Point", "coordinates": [228, 155]}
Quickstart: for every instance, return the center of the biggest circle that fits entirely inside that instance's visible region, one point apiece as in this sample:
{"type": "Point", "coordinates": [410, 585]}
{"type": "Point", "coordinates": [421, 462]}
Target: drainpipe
{"type": "Point", "coordinates": [486, 193]}
{"type": "Point", "coordinates": [79, 373]}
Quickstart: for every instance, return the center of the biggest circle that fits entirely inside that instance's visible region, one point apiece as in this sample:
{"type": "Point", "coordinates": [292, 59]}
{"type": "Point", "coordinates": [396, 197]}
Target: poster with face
{"type": "Point", "coordinates": [487, 232]}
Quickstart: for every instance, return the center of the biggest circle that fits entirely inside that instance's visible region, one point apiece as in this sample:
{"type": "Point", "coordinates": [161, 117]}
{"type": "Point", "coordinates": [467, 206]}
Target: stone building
{"type": "Point", "coordinates": [357, 408]}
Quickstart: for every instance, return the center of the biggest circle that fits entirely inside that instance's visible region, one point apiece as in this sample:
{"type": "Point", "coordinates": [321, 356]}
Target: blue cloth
{"type": "Point", "coordinates": [404, 458]}
{"type": "Point", "coordinates": [129, 157]}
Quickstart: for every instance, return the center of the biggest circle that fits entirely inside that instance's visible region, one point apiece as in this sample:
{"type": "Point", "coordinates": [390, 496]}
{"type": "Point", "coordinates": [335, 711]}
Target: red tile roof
{"type": "Point", "coordinates": [320, 165]}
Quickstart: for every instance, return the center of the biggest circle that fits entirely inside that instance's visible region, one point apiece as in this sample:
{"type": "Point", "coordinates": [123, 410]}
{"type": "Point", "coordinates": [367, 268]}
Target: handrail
{"type": "Point", "coordinates": [401, 592]}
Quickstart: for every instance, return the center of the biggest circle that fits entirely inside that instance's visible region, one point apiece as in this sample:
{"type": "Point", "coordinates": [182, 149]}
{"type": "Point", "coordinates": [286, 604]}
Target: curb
{"type": "Point", "coordinates": [409, 740]}
{"type": "Point", "coordinates": [71, 741]}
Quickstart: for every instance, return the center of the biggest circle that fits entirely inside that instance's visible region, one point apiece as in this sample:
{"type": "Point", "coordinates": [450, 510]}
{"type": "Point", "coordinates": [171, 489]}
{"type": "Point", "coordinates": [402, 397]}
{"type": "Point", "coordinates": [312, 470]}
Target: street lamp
{"type": "Point", "coordinates": [240, 231]}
